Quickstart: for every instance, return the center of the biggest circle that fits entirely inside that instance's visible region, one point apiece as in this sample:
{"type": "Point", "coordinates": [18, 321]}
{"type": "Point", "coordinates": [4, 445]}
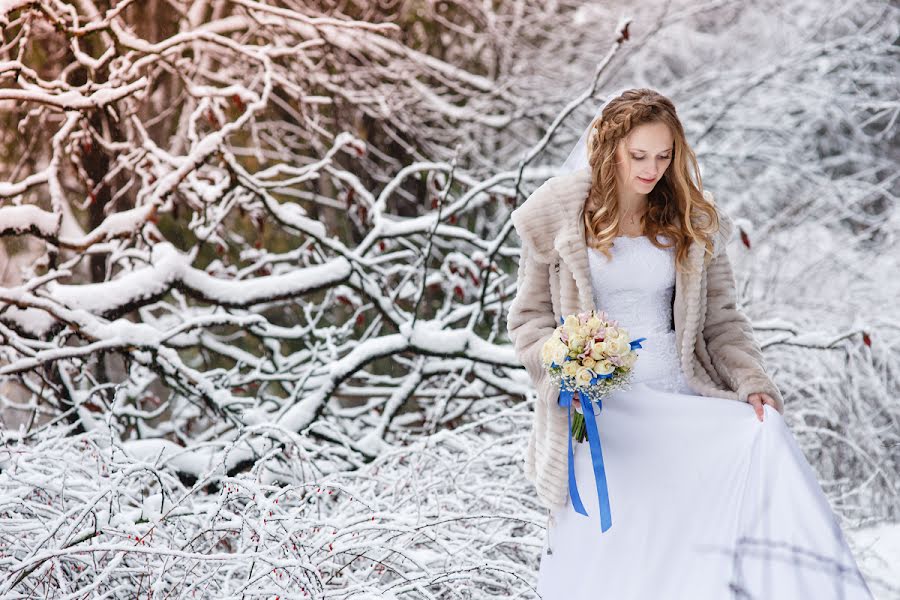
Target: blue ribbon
{"type": "Point", "coordinates": [565, 399]}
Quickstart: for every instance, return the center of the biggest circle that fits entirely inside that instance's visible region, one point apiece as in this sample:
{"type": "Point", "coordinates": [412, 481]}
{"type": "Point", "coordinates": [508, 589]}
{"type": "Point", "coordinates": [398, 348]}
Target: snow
{"type": "Point", "coordinates": [435, 338]}
{"type": "Point", "coordinates": [8, 189]}
{"type": "Point", "coordinates": [117, 224]}
{"type": "Point", "coordinates": [27, 217]}
{"type": "Point", "coordinates": [171, 267]}
{"type": "Point", "coordinates": [165, 453]}
{"type": "Point", "coordinates": [82, 502]}
{"type": "Point", "coordinates": [11, 5]}
{"type": "Point", "coordinates": [73, 100]}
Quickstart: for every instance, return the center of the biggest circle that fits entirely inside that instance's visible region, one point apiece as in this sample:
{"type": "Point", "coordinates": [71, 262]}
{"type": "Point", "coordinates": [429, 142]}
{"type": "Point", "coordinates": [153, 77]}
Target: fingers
{"type": "Point", "coordinates": [576, 401]}
{"type": "Point", "coordinates": [757, 405]}
{"type": "Point", "coordinates": [767, 399]}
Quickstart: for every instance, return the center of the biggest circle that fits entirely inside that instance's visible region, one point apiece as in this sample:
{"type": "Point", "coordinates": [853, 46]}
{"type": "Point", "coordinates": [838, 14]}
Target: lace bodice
{"type": "Point", "coordinates": [635, 289]}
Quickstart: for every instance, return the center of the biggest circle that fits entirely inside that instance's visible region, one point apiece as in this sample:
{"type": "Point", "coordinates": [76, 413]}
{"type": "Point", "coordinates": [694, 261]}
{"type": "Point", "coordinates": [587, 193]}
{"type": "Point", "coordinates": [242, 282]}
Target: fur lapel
{"type": "Point", "coordinates": [550, 222]}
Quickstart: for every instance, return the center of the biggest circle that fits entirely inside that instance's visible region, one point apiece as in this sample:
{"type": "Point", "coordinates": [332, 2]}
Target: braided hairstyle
{"type": "Point", "coordinates": [674, 198]}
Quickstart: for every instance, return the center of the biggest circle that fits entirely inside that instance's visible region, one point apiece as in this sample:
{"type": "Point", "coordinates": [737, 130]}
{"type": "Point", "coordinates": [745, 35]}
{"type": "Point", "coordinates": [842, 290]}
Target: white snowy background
{"type": "Point", "coordinates": [255, 261]}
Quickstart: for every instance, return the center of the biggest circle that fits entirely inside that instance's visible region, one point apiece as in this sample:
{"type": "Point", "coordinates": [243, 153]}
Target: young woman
{"type": "Point", "coordinates": [710, 496]}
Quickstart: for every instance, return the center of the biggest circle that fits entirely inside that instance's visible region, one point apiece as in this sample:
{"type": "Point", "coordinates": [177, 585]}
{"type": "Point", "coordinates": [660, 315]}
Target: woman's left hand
{"type": "Point", "coordinates": [758, 399]}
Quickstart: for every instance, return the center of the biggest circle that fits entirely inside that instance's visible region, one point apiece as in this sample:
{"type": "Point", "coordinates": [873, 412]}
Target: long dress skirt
{"type": "Point", "coordinates": [707, 503]}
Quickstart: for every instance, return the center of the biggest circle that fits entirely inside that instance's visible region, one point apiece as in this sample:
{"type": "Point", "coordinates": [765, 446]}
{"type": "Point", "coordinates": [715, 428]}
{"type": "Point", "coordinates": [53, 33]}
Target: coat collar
{"type": "Point", "coordinates": [550, 222]}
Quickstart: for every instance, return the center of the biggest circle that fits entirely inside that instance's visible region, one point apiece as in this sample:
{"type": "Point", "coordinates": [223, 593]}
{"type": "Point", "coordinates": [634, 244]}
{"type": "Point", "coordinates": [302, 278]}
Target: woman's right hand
{"type": "Point", "coordinates": [576, 402]}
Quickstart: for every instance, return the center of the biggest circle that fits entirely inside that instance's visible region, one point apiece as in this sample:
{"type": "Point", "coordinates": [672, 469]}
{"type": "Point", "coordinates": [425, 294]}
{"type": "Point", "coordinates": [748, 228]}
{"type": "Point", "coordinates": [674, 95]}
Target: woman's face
{"type": "Point", "coordinates": [643, 156]}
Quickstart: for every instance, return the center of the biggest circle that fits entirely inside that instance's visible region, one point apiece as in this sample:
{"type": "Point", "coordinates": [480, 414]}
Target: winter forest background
{"type": "Point", "coordinates": [256, 261]}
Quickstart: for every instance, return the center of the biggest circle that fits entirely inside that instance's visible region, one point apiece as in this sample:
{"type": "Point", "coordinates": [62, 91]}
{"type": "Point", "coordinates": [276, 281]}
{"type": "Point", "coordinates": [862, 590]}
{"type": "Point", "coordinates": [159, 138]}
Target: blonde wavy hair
{"type": "Point", "coordinates": [676, 196]}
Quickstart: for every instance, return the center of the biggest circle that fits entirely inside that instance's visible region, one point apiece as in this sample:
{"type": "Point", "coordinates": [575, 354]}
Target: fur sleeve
{"type": "Point", "coordinates": [729, 335]}
{"type": "Point", "coordinates": [531, 321]}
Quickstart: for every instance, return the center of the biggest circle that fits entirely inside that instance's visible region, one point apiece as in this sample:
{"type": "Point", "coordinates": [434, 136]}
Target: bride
{"type": "Point", "coordinates": [708, 494]}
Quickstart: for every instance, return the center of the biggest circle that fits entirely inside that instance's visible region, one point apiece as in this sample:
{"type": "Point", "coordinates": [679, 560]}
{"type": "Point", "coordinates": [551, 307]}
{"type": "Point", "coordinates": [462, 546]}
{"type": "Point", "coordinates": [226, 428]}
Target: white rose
{"type": "Point", "coordinates": [558, 352]}
{"type": "Point", "coordinates": [584, 375]}
{"type": "Point", "coordinates": [571, 324]}
{"type": "Point", "coordinates": [604, 367]}
{"type": "Point", "coordinates": [546, 351]}
{"type": "Point", "coordinates": [599, 350]}
{"type": "Point", "coordinates": [576, 342]}
{"type": "Point", "coordinates": [617, 343]}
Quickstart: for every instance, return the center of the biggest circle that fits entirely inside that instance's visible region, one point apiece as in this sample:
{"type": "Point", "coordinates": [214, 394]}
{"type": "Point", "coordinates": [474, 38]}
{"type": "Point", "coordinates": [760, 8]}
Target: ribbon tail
{"type": "Point", "coordinates": [597, 461]}
{"type": "Point", "coordinates": [565, 399]}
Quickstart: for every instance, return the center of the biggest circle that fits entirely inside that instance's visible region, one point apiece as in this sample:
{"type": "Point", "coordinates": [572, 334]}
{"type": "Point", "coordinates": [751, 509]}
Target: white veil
{"type": "Point", "coordinates": [578, 157]}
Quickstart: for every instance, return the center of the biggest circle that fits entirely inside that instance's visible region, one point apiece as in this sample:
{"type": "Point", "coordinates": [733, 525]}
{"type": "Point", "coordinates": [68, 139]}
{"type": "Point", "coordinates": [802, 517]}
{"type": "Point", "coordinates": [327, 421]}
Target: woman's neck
{"type": "Point", "coordinates": [632, 204]}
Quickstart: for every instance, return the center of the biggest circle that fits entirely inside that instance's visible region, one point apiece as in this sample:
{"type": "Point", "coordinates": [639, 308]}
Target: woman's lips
{"type": "Point", "coordinates": [646, 180]}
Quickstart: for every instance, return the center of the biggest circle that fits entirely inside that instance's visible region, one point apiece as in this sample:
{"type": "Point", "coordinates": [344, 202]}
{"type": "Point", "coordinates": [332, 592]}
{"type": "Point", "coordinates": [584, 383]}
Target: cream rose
{"type": "Point", "coordinates": [584, 375]}
{"type": "Point", "coordinates": [576, 342]}
{"type": "Point", "coordinates": [558, 351]}
{"type": "Point", "coordinates": [546, 351]}
{"type": "Point", "coordinates": [604, 367]}
{"type": "Point", "coordinates": [623, 348]}
{"type": "Point", "coordinates": [617, 343]}
{"type": "Point", "coordinates": [571, 324]}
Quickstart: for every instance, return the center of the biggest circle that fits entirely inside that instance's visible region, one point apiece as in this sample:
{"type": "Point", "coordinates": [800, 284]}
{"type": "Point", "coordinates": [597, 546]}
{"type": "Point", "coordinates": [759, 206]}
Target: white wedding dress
{"type": "Point", "coordinates": [707, 502]}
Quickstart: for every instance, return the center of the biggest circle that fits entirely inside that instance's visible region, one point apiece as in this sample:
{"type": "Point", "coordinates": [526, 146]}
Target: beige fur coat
{"type": "Point", "coordinates": [717, 350]}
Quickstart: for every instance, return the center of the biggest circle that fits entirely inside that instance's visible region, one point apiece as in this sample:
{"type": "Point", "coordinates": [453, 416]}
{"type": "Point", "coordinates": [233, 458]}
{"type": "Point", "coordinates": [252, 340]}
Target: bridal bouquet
{"type": "Point", "coordinates": [591, 355]}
